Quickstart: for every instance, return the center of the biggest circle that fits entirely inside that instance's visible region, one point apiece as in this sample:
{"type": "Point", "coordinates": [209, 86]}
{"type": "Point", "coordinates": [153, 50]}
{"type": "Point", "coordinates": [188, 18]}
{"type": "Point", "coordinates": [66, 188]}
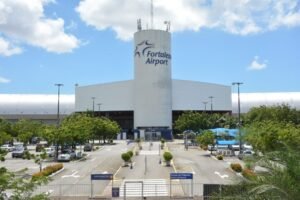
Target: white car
{"type": "Point", "coordinates": [49, 151]}
{"type": "Point", "coordinates": [247, 146]}
{"type": "Point", "coordinates": [64, 157]}
{"type": "Point", "coordinates": [7, 147]}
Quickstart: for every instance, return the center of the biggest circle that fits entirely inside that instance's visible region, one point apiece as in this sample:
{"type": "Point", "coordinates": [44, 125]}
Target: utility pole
{"type": "Point", "coordinates": [93, 98]}
{"type": "Point", "coordinates": [205, 102]}
{"type": "Point", "coordinates": [58, 119]}
{"type": "Point", "coordinates": [211, 103]}
{"type": "Point", "coordinates": [239, 114]}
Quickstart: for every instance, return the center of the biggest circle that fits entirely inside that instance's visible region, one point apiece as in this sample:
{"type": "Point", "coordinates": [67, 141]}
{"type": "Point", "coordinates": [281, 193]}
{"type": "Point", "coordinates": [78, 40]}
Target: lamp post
{"type": "Point", "coordinates": [58, 120]}
{"type": "Point", "coordinates": [58, 95]}
{"type": "Point", "coordinates": [239, 114]}
{"type": "Point", "coordinates": [205, 102]}
{"type": "Point", "coordinates": [211, 103]}
{"type": "Point", "coordinates": [99, 104]}
{"type": "Point", "coordinates": [93, 98]}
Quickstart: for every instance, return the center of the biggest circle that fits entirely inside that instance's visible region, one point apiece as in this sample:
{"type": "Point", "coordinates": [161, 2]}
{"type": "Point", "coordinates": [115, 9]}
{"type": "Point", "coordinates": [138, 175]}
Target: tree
{"type": "Point", "coordinates": [280, 181]}
{"type": "Point", "coordinates": [269, 136]}
{"type": "Point", "coordinates": [104, 128]}
{"type": "Point", "coordinates": [280, 113]}
{"type": "Point", "coordinates": [27, 129]}
{"type": "Point", "coordinates": [197, 122]}
{"type": "Point", "coordinates": [205, 138]}
{"type": "Point", "coordinates": [76, 128]}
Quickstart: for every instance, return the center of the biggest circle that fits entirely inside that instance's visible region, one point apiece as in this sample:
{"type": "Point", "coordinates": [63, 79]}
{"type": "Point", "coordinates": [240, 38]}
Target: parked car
{"type": "Point", "coordinates": [88, 147]}
{"type": "Point", "coordinates": [247, 146]}
{"type": "Point", "coordinates": [64, 157]}
{"type": "Point", "coordinates": [50, 151]}
{"type": "Point", "coordinates": [211, 147]}
{"type": "Point", "coordinates": [7, 147]}
{"type": "Point", "coordinates": [18, 152]}
{"type": "Point", "coordinates": [41, 145]}
{"type": "Point", "coordinates": [245, 153]}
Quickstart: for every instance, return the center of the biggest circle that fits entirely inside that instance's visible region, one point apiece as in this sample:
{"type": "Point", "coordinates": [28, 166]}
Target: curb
{"type": "Point", "coordinates": [57, 172]}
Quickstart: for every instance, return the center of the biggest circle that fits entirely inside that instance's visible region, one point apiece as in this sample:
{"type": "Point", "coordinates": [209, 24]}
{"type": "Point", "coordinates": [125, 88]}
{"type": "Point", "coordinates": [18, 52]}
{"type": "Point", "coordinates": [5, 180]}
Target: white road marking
{"type": "Point", "coordinates": [73, 175]}
{"type": "Point", "coordinates": [109, 149]}
{"type": "Point", "coordinates": [221, 176]}
{"type": "Point", "coordinates": [93, 159]}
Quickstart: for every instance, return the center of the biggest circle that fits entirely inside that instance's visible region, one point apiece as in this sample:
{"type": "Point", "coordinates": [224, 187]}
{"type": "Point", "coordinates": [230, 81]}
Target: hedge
{"type": "Point", "coordinates": [48, 170]}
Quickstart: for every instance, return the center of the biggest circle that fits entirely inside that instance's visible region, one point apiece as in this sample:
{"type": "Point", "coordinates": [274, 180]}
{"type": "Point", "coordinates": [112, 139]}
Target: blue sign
{"type": "Point", "coordinates": [101, 176]}
{"type": "Point", "coordinates": [181, 176]}
{"type": "Point", "coordinates": [115, 192]}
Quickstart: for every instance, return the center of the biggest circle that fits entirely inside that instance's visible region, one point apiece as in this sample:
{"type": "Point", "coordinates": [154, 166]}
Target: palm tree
{"type": "Point", "coordinates": [280, 181]}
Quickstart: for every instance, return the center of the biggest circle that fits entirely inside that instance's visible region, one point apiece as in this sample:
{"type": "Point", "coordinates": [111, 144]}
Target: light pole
{"type": "Point", "coordinates": [99, 104]}
{"type": "Point", "coordinates": [239, 114]}
{"type": "Point", "coordinates": [211, 103]}
{"type": "Point", "coordinates": [205, 102]}
{"type": "Point", "coordinates": [58, 95]}
{"type": "Point", "coordinates": [93, 98]}
{"type": "Point", "coordinates": [58, 120]}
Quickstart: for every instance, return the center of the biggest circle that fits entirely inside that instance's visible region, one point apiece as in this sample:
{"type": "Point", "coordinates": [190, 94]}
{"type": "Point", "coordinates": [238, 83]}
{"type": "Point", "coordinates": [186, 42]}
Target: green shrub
{"type": "Point", "coordinates": [126, 157]}
{"type": "Point", "coordinates": [2, 159]}
{"type": "Point", "coordinates": [236, 167]}
{"type": "Point", "coordinates": [168, 156]}
{"type": "Point", "coordinates": [162, 141]}
{"type": "Point", "coordinates": [130, 153]}
{"type": "Point", "coordinates": [220, 157]}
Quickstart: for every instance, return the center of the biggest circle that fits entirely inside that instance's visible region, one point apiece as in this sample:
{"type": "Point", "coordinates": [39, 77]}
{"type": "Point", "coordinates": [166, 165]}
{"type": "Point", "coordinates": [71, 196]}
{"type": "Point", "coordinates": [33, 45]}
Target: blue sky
{"type": "Point", "coordinates": [43, 42]}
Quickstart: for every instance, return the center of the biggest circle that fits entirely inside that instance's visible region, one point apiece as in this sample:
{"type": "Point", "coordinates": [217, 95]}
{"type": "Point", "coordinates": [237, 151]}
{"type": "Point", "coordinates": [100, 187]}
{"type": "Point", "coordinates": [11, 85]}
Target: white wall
{"type": "Point", "coordinates": [117, 96]}
{"type": "Point", "coordinates": [190, 95]}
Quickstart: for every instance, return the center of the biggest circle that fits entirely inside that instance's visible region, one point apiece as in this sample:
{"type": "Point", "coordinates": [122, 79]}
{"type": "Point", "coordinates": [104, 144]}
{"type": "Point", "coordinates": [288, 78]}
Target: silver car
{"type": "Point", "coordinates": [64, 157]}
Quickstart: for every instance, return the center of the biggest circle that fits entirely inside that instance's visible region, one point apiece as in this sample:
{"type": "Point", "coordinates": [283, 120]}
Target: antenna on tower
{"type": "Point", "coordinates": [151, 10]}
{"type": "Point", "coordinates": [139, 24]}
{"type": "Point", "coordinates": [168, 24]}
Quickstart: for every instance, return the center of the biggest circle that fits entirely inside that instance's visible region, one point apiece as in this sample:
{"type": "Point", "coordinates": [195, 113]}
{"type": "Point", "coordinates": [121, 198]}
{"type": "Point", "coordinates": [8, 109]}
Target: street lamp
{"type": "Point", "coordinates": [205, 102]}
{"type": "Point", "coordinates": [99, 104]}
{"type": "Point", "coordinates": [239, 114]}
{"type": "Point", "coordinates": [93, 98]}
{"type": "Point", "coordinates": [58, 120]}
{"type": "Point", "coordinates": [211, 103]}
{"type": "Point", "coordinates": [58, 95]}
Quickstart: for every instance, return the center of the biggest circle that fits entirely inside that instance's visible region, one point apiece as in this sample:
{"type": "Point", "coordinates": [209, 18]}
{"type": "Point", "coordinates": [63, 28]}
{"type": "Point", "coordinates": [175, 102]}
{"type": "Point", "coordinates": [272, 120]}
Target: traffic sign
{"type": "Point", "coordinates": [181, 176]}
{"type": "Point", "coordinates": [101, 176]}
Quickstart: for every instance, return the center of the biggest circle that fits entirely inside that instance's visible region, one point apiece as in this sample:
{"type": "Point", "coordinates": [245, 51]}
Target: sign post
{"type": "Point", "coordinates": [181, 176]}
{"type": "Point", "coordinates": [104, 177]}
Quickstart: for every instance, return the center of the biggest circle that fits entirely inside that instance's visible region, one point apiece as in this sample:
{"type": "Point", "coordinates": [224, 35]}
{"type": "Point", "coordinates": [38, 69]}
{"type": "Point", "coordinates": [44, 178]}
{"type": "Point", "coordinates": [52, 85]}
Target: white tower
{"type": "Point", "coordinates": [152, 79]}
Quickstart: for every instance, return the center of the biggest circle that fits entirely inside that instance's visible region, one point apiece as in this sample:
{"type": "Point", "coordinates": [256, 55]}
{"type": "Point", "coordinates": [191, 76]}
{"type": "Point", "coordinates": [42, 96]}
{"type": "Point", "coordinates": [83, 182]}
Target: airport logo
{"type": "Point", "coordinates": [145, 49]}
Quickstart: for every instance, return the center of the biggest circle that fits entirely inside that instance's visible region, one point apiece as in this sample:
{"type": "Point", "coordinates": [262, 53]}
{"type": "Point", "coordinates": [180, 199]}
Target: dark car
{"type": "Point", "coordinates": [18, 152]}
{"type": "Point", "coordinates": [88, 147]}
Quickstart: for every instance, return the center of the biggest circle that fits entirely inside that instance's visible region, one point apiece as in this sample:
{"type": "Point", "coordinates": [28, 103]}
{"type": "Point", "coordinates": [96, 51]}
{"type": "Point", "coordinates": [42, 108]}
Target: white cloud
{"type": "Point", "coordinates": [257, 65]}
{"type": "Point", "coordinates": [4, 80]}
{"type": "Point", "coordinates": [240, 17]}
{"type": "Point", "coordinates": [26, 22]}
{"type": "Point", "coordinates": [7, 49]}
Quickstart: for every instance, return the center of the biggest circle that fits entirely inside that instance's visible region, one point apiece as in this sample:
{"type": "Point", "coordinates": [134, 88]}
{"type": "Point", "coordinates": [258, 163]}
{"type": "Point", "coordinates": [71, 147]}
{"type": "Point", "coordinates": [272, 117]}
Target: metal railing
{"type": "Point", "coordinates": [131, 190]}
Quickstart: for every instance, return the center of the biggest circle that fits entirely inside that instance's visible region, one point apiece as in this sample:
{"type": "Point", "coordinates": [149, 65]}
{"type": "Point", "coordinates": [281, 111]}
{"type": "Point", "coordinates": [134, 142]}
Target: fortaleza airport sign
{"type": "Point", "coordinates": [145, 49]}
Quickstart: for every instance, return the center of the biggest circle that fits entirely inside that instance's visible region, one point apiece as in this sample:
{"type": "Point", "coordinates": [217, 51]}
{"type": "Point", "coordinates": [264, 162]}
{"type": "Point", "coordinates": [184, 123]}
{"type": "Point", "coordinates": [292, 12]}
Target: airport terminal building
{"type": "Point", "coordinates": [147, 106]}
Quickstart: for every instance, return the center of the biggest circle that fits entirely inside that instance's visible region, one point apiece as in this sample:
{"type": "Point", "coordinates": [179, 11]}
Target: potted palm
{"type": "Point", "coordinates": [168, 157]}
